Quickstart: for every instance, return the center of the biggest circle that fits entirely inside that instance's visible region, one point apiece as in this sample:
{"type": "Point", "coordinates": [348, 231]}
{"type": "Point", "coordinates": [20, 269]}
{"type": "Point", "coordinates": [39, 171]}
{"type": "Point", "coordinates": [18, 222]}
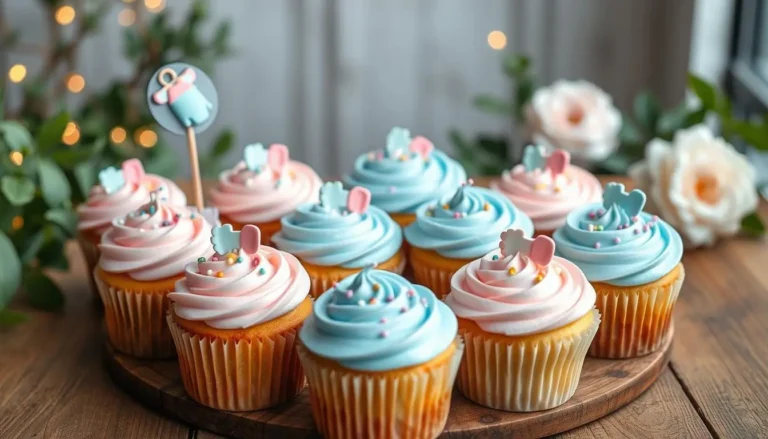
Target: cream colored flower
{"type": "Point", "coordinates": [698, 183]}
{"type": "Point", "coordinates": [576, 116]}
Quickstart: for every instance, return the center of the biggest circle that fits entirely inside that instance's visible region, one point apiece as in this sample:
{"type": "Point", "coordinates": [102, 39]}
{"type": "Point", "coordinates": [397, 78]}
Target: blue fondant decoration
{"type": "Point", "coordinates": [533, 158]}
{"type": "Point", "coordinates": [255, 156]}
{"type": "Point", "coordinates": [111, 179]}
{"type": "Point", "coordinates": [398, 140]}
{"type": "Point", "coordinates": [224, 239]}
{"type": "Point", "coordinates": [181, 96]}
{"type": "Point", "coordinates": [333, 196]}
{"type": "Point", "coordinates": [632, 203]}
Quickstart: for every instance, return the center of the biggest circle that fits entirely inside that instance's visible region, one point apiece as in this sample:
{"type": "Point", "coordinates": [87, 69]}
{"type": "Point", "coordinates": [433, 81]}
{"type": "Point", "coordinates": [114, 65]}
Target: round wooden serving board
{"type": "Point", "coordinates": [605, 386]}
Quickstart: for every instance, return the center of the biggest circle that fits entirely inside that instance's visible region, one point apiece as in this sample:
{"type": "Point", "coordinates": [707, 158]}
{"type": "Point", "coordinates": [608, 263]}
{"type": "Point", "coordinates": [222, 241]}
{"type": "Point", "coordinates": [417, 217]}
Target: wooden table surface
{"type": "Point", "coordinates": [53, 385]}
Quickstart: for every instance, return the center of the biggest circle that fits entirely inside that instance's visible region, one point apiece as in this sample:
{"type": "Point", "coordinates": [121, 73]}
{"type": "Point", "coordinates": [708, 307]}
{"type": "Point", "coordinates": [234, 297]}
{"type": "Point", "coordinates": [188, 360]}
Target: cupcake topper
{"type": "Point", "coordinates": [183, 100]}
{"type": "Point", "coordinates": [111, 179]}
{"type": "Point", "coordinates": [133, 171]}
{"type": "Point", "coordinates": [358, 199]}
{"type": "Point", "coordinates": [421, 146]}
{"type": "Point", "coordinates": [225, 240]}
{"type": "Point", "coordinates": [539, 250]}
{"type": "Point", "coordinates": [534, 157]}
{"type": "Point", "coordinates": [632, 203]}
{"type": "Point", "coordinates": [398, 140]}
{"type": "Point", "coordinates": [257, 157]}
{"type": "Point", "coordinates": [334, 197]}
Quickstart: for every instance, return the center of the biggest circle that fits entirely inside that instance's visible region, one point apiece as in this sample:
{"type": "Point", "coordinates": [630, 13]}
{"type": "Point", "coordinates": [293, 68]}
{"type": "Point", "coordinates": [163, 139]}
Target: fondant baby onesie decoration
{"type": "Point", "coordinates": [188, 104]}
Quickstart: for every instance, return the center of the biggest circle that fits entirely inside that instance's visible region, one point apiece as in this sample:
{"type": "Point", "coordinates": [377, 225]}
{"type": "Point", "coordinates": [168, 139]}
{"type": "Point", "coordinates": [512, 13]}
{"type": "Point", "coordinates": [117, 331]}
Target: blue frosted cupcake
{"type": "Point", "coordinates": [405, 174]}
{"type": "Point", "coordinates": [455, 230]}
{"type": "Point", "coordinates": [633, 260]}
{"type": "Point", "coordinates": [381, 355]}
{"type": "Point", "coordinates": [340, 235]}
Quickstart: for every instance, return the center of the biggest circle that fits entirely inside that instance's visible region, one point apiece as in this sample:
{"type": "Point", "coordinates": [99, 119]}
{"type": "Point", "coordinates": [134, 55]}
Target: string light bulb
{"type": "Point", "coordinates": [17, 73]}
{"type": "Point", "coordinates": [75, 82]}
{"type": "Point", "coordinates": [17, 222]}
{"type": "Point", "coordinates": [126, 17]}
{"type": "Point", "coordinates": [118, 135]}
{"type": "Point", "coordinates": [65, 15]}
{"type": "Point", "coordinates": [145, 137]}
{"type": "Point", "coordinates": [155, 5]}
{"type": "Point", "coordinates": [497, 40]}
{"type": "Point", "coordinates": [71, 134]}
{"type": "Point", "coordinates": [16, 157]}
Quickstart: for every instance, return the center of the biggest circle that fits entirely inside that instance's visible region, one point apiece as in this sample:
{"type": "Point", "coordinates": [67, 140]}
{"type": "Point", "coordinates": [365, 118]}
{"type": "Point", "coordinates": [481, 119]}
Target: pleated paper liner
{"type": "Point", "coordinates": [268, 229]}
{"type": "Point", "coordinates": [89, 246]}
{"type": "Point", "coordinates": [434, 271]}
{"type": "Point", "coordinates": [524, 374]}
{"type": "Point", "coordinates": [635, 319]}
{"type": "Point", "coordinates": [135, 316]}
{"type": "Point", "coordinates": [409, 403]}
{"type": "Point", "coordinates": [323, 278]}
{"type": "Point", "coordinates": [239, 373]}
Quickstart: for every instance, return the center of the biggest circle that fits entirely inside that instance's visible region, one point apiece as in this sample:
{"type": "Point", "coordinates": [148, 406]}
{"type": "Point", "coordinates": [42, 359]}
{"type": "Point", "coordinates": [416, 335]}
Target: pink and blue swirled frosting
{"type": "Point", "coordinates": [377, 320]}
{"type": "Point", "coordinates": [467, 225]}
{"type": "Point", "coordinates": [612, 246]}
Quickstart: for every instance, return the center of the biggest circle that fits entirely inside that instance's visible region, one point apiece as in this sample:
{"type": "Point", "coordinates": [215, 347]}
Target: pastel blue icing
{"type": "Point", "coordinates": [401, 186]}
{"type": "Point", "coordinates": [354, 335]}
{"type": "Point", "coordinates": [639, 258]}
{"type": "Point", "coordinates": [471, 236]}
{"type": "Point", "coordinates": [331, 237]}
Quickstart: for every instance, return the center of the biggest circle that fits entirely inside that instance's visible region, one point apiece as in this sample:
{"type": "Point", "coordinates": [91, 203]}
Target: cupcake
{"type": "Point", "coordinates": [340, 235]}
{"type": "Point", "coordinates": [381, 356]}
{"type": "Point", "coordinates": [527, 319]}
{"type": "Point", "coordinates": [405, 174]}
{"type": "Point", "coordinates": [547, 188]}
{"type": "Point", "coordinates": [234, 318]}
{"type": "Point", "coordinates": [456, 230]}
{"type": "Point", "coordinates": [119, 192]}
{"type": "Point", "coordinates": [143, 255]}
{"type": "Point", "coordinates": [262, 188]}
{"type": "Point", "coordinates": [632, 260]}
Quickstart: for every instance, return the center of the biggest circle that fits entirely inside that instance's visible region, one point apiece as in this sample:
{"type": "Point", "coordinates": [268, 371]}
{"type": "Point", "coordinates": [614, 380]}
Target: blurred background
{"type": "Point", "coordinates": [329, 78]}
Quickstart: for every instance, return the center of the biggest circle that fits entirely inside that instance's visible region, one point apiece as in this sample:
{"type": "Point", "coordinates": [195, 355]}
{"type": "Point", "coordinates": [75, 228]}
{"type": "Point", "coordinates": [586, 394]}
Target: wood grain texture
{"type": "Point", "coordinates": [52, 383]}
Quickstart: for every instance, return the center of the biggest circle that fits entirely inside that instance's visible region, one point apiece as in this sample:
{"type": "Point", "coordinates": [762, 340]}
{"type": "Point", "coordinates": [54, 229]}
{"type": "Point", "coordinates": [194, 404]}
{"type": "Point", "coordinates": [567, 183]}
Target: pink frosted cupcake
{"type": "Point", "coordinates": [548, 187]}
{"type": "Point", "coordinates": [143, 255]}
{"type": "Point", "coordinates": [119, 192]}
{"type": "Point", "coordinates": [262, 188]}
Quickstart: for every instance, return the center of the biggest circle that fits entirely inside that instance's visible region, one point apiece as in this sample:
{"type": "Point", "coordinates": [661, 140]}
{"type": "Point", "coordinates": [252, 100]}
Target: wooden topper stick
{"type": "Point", "coordinates": [194, 164]}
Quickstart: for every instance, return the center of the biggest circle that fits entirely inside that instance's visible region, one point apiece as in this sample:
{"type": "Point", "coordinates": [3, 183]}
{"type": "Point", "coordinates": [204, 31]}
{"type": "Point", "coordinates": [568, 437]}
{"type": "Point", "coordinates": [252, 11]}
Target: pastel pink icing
{"type": "Point", "coordinates": [264, 286]}
{"type": "Point", "coordinates": [249, 197]}
{"type": "Point", "coordinates": [155, 246]}
{"type": "Point", "coordinates": [547, 199]}
{"type": "Point", "coordinates": [501, 303]}
{"type": "Point", "coordinates": [101, 208]}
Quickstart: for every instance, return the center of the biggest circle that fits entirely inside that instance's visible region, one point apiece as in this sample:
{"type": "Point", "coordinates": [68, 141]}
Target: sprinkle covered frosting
{"type": "Point", "coordinates": [520, 288]}
{"type": "Point", "coordinates": [264, 186]}
{"type": "Point", "coordinates": [154, 242]}
{"type": "Point", "coordinates": [340, 230]}
{"type": "Point", "coordinates": [405, 173]}
{"type": "Point", "coordinates": [467, 224]}
{"type": "Point", "coordinates": [547, 188]}
{"type": "Point", "coordinates": [121, 191]}
{"type": "Point", "coordinates": [377, 320]}
{"type": "Point", "coordinates": [616, 243]}
{"type": "Point", "coordinates": [240, 287]}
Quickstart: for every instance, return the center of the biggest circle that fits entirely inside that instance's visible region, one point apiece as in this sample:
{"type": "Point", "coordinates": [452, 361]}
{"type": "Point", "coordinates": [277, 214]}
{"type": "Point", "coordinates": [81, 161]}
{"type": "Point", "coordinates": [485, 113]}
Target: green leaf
{"type": "Point", "coordinates": [516, 66]}
{"type": "Point", "coordinates": [64, 218]}
{"type": "Point", "coordinates": [32, 246]}
{"type": "Point", "coordinates": [495, 146]}
{"type": "Point", "coordinates": [492, 104]}
{"type": "Point", "coordinates": [523, 95]}
{"type": "Point", "coordinates": [51, 131]}
{"type": "Point", "coordinates": [674, 119]}
{"type": "Point", "coordinates": [42, 292]}
{"type": "Point", "coordinates": [752, 225]}
{"type": "Point", "coordinates": [221, 38]}
{"type": "Point", "coordinates": [53, 184]}
{"type": "Point", "coordinates": [16, 135]}
{"type": "Point", "coordinates": [459, 141]}
{"type": "Point", "coordinates": [695, 118]}
{"type": "Point", "coordinates": [10, 270]}
{"type": "Point", "coordinates": [19, 190]}
{"type": "Point", "coordinates": [163, 161]}
{"type": "Point", "coordinates": [647, 111]}
{"type": "Point", "coordinates": [629, 132]}
{"type": "Point", "coordinates": [132, 44]}
{"type": "Point", "coordinates": [224, 142]}
{"type": "Point", "coordinates": [85, 175]}
{"type": "Point", "coordinates": [755, 134]}
{"type": "Point", "coordinates": [10, 318]}
{"type": "Point", "coordinates": [705, 91]}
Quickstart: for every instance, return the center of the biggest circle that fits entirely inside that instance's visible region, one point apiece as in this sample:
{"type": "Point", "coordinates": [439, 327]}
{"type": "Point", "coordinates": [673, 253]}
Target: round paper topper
{"type": "Point", "coordinates": [182, 96]}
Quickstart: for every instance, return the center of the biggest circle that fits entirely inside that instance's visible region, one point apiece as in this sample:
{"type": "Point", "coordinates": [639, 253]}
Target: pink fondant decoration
{"type": "Point", "coordinates": [539, 250]}
{"type": "Point", "coordinates": [277, 157]}
{"type": "Point", "coordinates": [133, 171]}
{"type": "Point", "coordinates": [422, 146]}
{"type": "Point", "coordinates": [358, 200]}
{"type": "Point", "coordinates": [250, 239]}
{"type": "Point", "coordinates": [542, 249]}
{"type": "Point", "coordinates": [558, 161]}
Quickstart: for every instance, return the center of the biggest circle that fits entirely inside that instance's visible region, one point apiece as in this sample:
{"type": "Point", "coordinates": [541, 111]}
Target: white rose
{"type": "Point", "coordinates": [699, 184]}
{"type": "Point", "coordinates": [576, 116]}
